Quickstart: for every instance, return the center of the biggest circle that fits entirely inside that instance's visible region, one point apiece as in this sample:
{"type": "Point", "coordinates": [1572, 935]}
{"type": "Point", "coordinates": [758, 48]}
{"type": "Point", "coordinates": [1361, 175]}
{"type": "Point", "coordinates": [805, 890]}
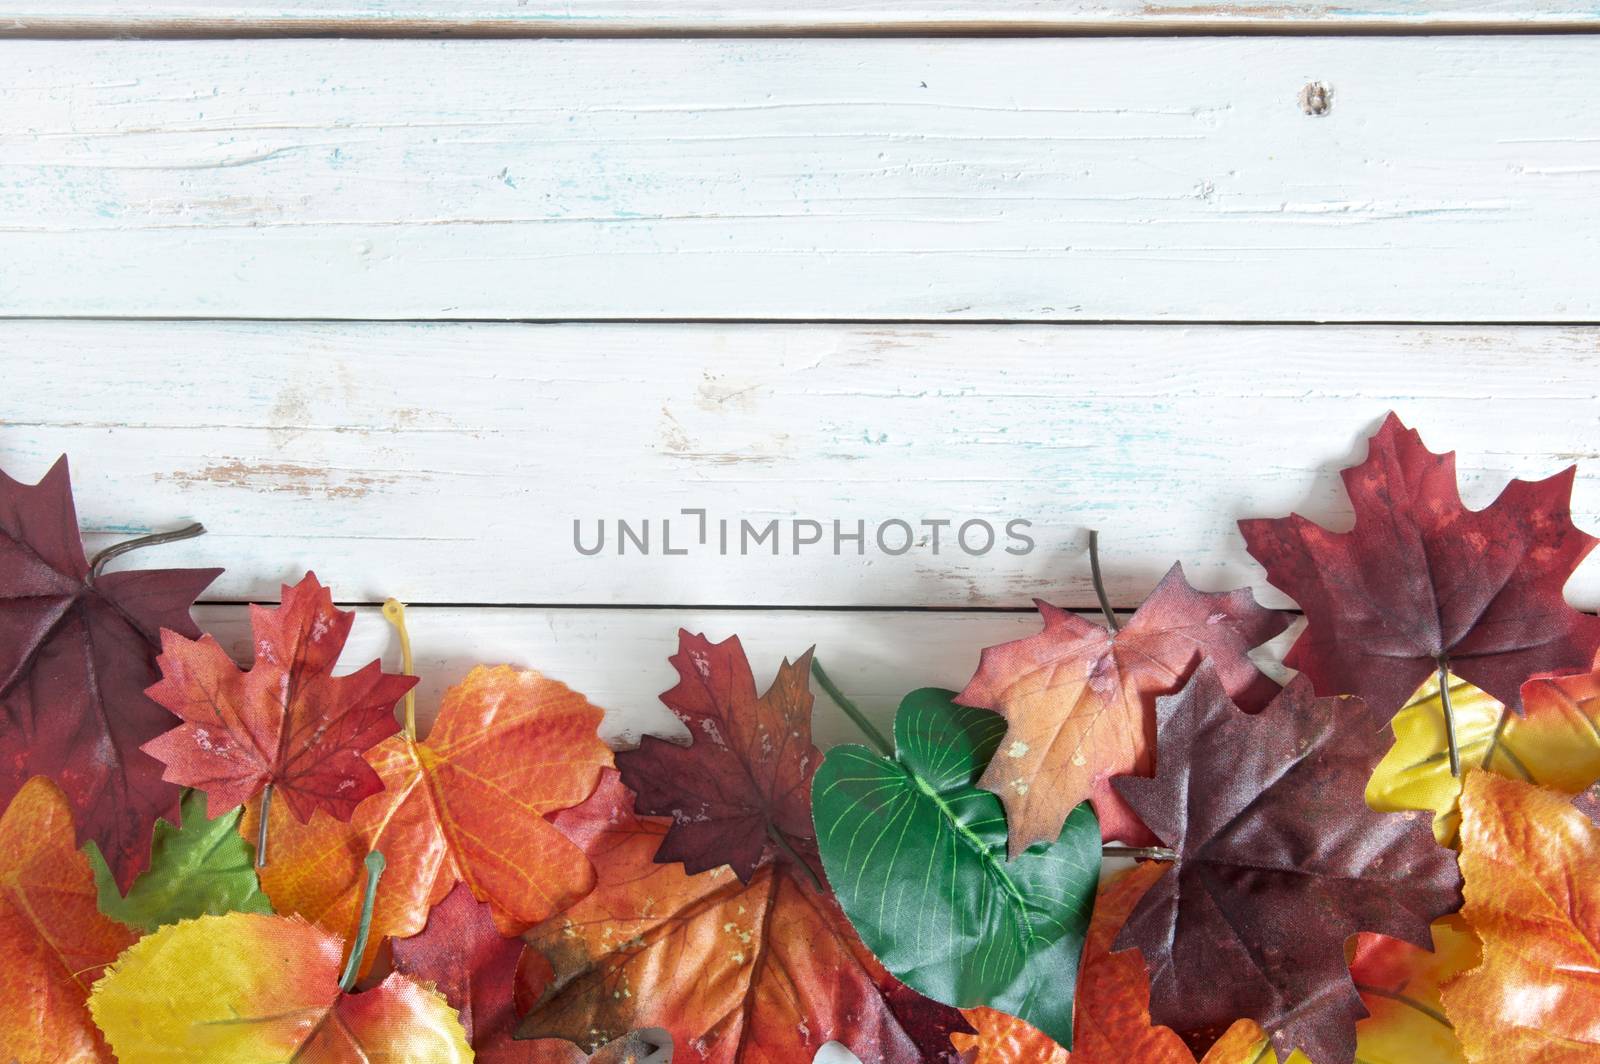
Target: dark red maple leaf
{"type": "Point", "coordinates": [1279, 861]}
{"type": "Point", "coordinates": [287, 722]}
{"type": "Point", "coordinates": [747, 772]}
{"type": "Point", "coordinates": [468, 961]}
{"type": "Point", "coordinates": [1422, 582]}
{"type": "Point", "coordinates": [77, 650]}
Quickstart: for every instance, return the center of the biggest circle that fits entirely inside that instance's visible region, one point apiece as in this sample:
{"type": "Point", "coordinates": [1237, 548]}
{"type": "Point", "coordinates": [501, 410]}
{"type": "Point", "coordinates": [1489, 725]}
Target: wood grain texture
{"type": "Point", "coordinates": [447, 463]}
{"type": "Point", "coordinates": [1453, 179]}
{"type": "Point", "coordinates": [599, 17]}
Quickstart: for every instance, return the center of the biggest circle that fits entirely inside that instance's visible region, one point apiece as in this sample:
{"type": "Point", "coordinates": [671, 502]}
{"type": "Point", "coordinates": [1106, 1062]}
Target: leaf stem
{"type": "Point", "coordinates": [152, 540]}
{"type": "Point", "coordinates": [1449, 718]}
{"type": "Point", "coordinates": [261, 828]}
{"type": "Point", "coordinates": [794, 855]}
{"type": "Point", "coordinates": [1099, 583]}
{"type": "Point", "coordinates": [1142, 853]}
{"type": "Point", "coordinates": [375, 865]}
{"type": "Point", "coordinates": [852, 711]}
{"type": "Point", "coordinates": [394, 611]}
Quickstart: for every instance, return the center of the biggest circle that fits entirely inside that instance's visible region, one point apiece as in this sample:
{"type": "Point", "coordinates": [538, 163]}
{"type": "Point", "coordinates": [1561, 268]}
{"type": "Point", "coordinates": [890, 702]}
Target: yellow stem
{"type": "Point", "coordinates": [394, 611]}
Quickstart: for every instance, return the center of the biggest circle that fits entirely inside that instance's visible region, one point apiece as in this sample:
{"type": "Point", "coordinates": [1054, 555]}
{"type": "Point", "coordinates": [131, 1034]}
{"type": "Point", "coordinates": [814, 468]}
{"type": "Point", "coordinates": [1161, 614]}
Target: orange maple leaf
{"type": "Point", "coordinates": [763, 972]}
{"type": "Point", "coordinates": [52, 935]}
{"type": "Point", "coordinates": [1532, 866]}
{"type": "Point", "coordinates": [466, 806]}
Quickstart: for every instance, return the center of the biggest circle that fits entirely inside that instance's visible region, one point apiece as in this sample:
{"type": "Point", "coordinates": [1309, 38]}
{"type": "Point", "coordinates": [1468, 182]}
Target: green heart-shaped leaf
{"type": "Point", "coordinates": [202, 868]}
{"type": "Point", "coordinates": [916, 854]}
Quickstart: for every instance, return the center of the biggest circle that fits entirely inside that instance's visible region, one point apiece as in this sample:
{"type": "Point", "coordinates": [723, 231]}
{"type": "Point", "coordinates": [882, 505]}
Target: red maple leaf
{"type": "Point", "coordinates": [287, 722]}
{"type": "Point", "coordinates": [467, 960]}
{"type": "Point", "coordinates": [1422, 583]}
{"type": "Point", "coordinates": [77, 650]}
{"type": "Point", "coordinates": [748, 772]}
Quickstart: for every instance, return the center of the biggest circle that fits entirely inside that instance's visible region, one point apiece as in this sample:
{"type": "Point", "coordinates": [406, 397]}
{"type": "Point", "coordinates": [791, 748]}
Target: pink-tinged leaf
{"type": "Point", "coordinates": [1079, 702]}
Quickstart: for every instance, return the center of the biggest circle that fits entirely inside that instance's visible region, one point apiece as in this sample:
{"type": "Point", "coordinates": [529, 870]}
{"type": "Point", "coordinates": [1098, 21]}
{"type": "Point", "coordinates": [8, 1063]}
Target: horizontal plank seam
{"type": "Point", "coordinates": [1139, 323]}
{"type": "Point", "coordinates": [1143, 26]}
{"type": "Point", "coordinates": [697, 607]}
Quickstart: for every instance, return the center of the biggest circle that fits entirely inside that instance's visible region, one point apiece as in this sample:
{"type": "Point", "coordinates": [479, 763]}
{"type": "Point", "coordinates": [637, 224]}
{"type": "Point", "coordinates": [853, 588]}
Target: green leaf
{"type": "Point", "coordinates": [202, 868]}
{"type": "Point", "coordinates": [916, 855]}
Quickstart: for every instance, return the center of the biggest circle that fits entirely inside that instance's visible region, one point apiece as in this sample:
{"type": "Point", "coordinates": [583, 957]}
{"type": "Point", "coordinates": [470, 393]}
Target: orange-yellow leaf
{"type": "Point", "coordinates": [52, 937]}
{"type": "Point", "coordinates": [1399, 985]}
{"type": "Point", "coordinates": [246, 988]}
{"type": "Point", "coordinates": [466, 806]}
{"type": "Point", "coordinates": [1555, 743]}
{"type": "Point", "coordinates": [1532, 866]}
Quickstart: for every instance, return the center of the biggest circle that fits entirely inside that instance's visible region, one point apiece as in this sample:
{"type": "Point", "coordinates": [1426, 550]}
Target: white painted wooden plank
{"type": "Point", "coordinates": [488, 17]}
{"type": "Point", "coordinates": [618, 658]}
{"type": "Point", "coordinates": [447, 462]}
{"type": "Point", "coordinates": [1453, 179]}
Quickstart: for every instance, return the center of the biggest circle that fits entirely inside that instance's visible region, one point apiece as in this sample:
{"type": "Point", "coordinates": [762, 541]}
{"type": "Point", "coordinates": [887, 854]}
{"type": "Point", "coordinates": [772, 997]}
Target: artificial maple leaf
{"type": "Point", "coordinates": [1112, 1020]}
{"type": "Point", "coordinates": [465, 957]}
{"type": "Point", "coordinates": [1397, 981]}
{"type": "Point", "coordinates": [1422, 583]}
{"type": "Point", "coordinates": [77, 650]}
{"type": "Point", "coordinates": [1112, 1012]}
{"type": "Point", "coordinates": [1266, 817]}
{"type": "Point", "coordinates": [468, 805]}
{"type": "Point", "coordinates": [1555, 742]}
{"type": "Point", "coordinates": [1532, 865]}
{"type": "Point", "coordinates": [288, 723]}
{"type": "Point", "coordinates": [763, 972]}
{"type": "Point", "coordinates": [53, 937]}
{"type": "Point", "coordinates": [250, 987]}
{"type": "Point", "coordinates": [1080, 702]}
{"type": "Point", "coordinates": [1399, 985]}
{"type": "Point", "coordinates": [1001, 1039]}
{"type": "Point", "coordinates": [748, 770]}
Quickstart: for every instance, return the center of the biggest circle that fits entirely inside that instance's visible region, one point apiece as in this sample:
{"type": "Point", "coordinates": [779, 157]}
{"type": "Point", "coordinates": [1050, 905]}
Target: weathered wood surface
{"type": "Point", "coordinates": [618, 658]}
{"type": "Point", "coordinates": [599, 17]}
{"type": "Point", "coordinates": [1451, 179]}
{"type": "Point", "coordinates": [446, 463]}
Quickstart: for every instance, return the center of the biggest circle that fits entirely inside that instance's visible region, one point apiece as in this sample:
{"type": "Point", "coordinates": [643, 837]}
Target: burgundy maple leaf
{"type": "Point", "coordinates": [77, 650]}
{"type": "Point", "coordinates": [1278, 862]}
{"type": "Point", "coordinates": [748, 772]}
{"type": "Point", "coordinates": [1422, 583]}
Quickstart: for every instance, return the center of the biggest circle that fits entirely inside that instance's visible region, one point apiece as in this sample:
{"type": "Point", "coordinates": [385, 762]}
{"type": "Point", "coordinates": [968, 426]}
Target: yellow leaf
{"type": "Point", "coordinates": [248, 988]}
{"type": "Point", "coordinates": [1555, 743]}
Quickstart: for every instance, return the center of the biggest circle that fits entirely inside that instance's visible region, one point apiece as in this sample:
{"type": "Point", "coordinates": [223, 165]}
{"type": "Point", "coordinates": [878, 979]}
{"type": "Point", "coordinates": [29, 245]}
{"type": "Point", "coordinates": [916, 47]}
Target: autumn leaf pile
{"type": "Point", "coordinates": [1393, 858]}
